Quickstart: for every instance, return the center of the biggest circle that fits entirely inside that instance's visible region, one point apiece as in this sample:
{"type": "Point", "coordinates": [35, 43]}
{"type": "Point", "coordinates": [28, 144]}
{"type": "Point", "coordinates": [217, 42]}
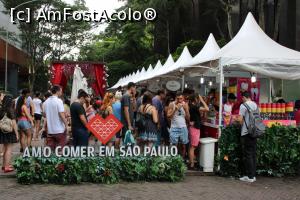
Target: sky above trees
{"type": "Point", "coordinates": [100, 5]}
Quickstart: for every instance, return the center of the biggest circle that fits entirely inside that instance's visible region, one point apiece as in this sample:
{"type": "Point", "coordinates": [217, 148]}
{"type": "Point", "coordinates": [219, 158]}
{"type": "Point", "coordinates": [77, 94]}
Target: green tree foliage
{"type": "Point", "coordinates": [45, 40]}
{"type": "Point", "coordinates": [179, 23]}
{"type": "Point", "coordinates": [128, 46]}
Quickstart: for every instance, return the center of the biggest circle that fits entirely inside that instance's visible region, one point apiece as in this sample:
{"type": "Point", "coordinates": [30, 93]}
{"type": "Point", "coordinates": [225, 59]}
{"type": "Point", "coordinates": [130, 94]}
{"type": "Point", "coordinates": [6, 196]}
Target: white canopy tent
{"type": "Point", "coordinates": [207, 53]}
{"type": "Point", "coordinates": [169, 66]}
{"type": "Point", "coordinates": [183, 60]}
{"type": "Point", "coordinates": [148, 74]}
{"type": "Point", "coordinates": [157, 66]}
{"type": "Point", "coordinates": [196, 66]}
{"type": "Point", "coordinates": [252, 50]}
{"type": "Point", "coordinates": [169, 62]}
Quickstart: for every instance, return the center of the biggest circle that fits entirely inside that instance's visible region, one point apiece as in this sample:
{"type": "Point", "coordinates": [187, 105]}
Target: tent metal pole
{"type": "Point", "coordinates": [282, 88]}
{"type": "Point", "coordinates": [220, 98]}
{"type": "Point", "coordinates": [270, 90]}
{"type": "Point", "coordinates": [182, 85]}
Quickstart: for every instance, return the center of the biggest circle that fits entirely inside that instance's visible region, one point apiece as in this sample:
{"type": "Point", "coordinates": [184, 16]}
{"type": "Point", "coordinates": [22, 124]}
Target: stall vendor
{"type": "Point", "coordinates": [228, 109]}
{"type": "Point", "coordinates": [213, 99]}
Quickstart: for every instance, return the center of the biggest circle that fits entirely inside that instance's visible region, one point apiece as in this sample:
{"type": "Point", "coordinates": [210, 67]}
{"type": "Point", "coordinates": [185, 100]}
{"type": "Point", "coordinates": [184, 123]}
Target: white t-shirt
{"type": "Point", "coordinates": [37, 103]}
{"type": "Point", "coordinates": [245, 114]}
{"type": "Point", "coordinates": [53, 106]}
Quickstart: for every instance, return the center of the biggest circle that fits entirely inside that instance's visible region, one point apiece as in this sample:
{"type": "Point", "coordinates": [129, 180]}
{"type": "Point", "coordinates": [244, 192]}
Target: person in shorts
{"type": "Point", "coordinates": [55, 117]}
{"type": "Point", "coordinates": [37, 103]}
{"type": "Point", "coordinates": [196, 106]}
{"type": "Point", "coordinates": [178, 112]}
{"type": "Point", "coordinates": [25, 123]}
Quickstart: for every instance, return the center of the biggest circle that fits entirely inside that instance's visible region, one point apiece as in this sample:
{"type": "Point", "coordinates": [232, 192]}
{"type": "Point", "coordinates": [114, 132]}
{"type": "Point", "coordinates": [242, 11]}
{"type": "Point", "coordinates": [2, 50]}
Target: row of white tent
{"type": "Point", "coordinates": [184, 61]}
{"type": "Point", "coordinates": [250, 50]}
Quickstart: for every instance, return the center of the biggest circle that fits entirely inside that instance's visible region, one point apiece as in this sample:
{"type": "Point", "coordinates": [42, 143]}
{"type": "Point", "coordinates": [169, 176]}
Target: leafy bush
{"type": "Point", "coordinates": [230, 157]}
{"type": "Point", "coordinates": [278, 152]}
{"type": "Point", "coordinates": [133, 168]}
{"type": "Point", "coordinates": [164, 169]}
{"type": "Point", "coordinates": [108, 170]}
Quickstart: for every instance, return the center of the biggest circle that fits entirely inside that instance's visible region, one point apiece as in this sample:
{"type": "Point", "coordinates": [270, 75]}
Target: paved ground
{"type": "Point", "coordinates": [193, 187]}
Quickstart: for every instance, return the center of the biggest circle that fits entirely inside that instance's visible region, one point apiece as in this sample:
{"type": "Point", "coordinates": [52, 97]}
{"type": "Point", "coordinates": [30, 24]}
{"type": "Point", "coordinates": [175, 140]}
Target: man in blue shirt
{"type": "Point", "coordinates": [117, 112]}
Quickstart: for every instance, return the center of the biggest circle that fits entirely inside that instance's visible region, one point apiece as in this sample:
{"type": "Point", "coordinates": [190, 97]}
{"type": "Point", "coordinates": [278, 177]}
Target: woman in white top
{"type": "Point", "coordinates": [38, 110]}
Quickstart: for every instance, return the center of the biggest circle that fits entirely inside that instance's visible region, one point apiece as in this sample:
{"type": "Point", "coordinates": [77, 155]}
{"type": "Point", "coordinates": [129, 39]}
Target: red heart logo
{"type": "Point", "coordinates": [104, 129]}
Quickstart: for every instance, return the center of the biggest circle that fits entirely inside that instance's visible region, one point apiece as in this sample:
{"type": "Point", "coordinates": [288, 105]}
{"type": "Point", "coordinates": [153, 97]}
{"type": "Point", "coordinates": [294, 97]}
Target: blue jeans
{"type": "Point", "coordinates": [80, 137]}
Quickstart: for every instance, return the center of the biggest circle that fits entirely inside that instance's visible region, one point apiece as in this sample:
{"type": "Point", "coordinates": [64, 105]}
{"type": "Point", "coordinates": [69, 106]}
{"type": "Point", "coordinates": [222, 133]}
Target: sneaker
{"type": "Point", "coordinates": [247, 179]}
{"type": "Point", "coordinates": [244, 178]}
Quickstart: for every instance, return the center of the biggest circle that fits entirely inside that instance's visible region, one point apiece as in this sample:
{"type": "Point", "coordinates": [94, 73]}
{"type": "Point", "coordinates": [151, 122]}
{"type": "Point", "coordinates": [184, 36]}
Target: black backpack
{"type": "Point", "coordinates": [140, 122]}
{"type": "Point", "coordinates": [256, 127]}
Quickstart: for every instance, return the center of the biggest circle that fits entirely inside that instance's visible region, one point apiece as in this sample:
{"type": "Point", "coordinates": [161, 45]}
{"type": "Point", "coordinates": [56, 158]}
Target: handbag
{"type": "Point", "coordinates": [6, 124]}
{"type": "Point", "coordinates": [141, 119]}
{"type": "Point", "coordinates": [129, 139]}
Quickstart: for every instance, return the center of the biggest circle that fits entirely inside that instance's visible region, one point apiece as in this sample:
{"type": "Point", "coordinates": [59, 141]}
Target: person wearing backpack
{"type": "Point", "coordinates": [8, 131]}
{"type": "Point", "coordinates": [247, 140]}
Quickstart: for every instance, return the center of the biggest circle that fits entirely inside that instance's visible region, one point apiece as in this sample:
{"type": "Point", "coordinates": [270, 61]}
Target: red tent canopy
{"type": "Point", "coordinates": [95, 73]}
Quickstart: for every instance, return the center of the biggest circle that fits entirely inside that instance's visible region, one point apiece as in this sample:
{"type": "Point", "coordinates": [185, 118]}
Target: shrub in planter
{"type": "Point", "coordinates": [132, 168]}
{"type": "Point", "coordinates": [165, 169]}
{"type": "Point", "coordinates": [230, 157]}
{"type": "Point", "coordinates": [278, 151]}
{"type": "Point", "coordinates": [68, 171]}
{"type": "Point", "coordinates": [106, 170]}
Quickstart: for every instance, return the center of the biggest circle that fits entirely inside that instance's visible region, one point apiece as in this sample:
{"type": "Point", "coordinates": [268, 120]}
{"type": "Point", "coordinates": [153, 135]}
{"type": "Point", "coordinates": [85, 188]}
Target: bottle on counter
{"type": "Point", "coordinates": [269, 111]}
{"type": "Point", "coordinates": [263, 111]}
{"type": "Point", "coordinates": [290, 110]}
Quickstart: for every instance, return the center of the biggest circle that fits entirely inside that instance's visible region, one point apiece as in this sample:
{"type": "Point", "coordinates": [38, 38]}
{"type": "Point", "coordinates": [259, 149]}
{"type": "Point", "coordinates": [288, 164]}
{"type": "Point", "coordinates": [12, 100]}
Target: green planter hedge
{"type": "Point", "coordinates": [278, 152]}
{"type": "Point", "coordinates": [106, 170]}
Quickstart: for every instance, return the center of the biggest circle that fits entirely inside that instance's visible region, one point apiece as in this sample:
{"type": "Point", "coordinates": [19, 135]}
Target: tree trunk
{"type": "Point", "coordinates": [229, 22]}
{"type": "Point", "coordinates": [227, 8]}
{"type": "Point", "coordinates": [168, 37]}
{"type": "Point", "coordinates": [261, 14]}
{"type": "Point", "coordinates": [276, 23]}
{"type": "Point", "coordinates": [32, 75]}
{"type": "Point", "coordinates": [196, 17]}
{"type": "Point", "coordinates": [218, 25]}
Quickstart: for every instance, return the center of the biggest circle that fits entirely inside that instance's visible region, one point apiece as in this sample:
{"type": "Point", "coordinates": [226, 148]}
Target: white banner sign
{"type": "Point", "coordinates": [173, 85]}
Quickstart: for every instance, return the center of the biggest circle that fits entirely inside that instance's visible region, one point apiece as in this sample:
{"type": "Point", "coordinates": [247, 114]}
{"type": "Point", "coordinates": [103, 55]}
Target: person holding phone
{"type": "Point", "coordinates": [178, 112]}
{"type": "Point", "coordinates": [196, 106]}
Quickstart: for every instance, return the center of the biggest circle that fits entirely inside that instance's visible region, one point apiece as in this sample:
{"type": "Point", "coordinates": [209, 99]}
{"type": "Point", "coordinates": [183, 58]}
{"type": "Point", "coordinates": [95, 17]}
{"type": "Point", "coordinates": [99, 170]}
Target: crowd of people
{"type": "Point", "coordinates": [152, 118]}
